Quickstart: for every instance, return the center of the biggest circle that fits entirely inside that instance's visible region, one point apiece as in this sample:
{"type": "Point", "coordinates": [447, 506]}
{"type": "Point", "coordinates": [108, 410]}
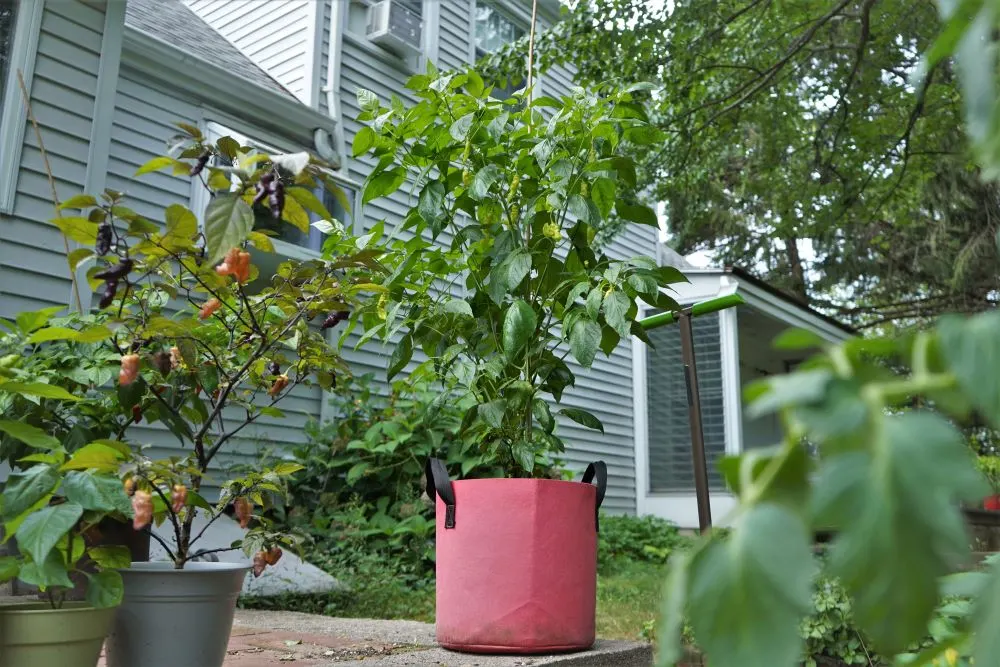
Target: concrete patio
{"type": "Point", "coordinates": [272, 639]}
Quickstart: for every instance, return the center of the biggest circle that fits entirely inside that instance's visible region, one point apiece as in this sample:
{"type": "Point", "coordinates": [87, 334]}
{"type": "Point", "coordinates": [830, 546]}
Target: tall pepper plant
{"type": "Point", "coordinates": [204, 345]}
{"type": "Point", "coordinates": [493, 272]}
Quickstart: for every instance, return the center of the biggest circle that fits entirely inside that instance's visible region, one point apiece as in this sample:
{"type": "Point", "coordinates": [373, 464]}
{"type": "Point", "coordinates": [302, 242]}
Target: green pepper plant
{"type": "Point", "coordinates": [493, 273]}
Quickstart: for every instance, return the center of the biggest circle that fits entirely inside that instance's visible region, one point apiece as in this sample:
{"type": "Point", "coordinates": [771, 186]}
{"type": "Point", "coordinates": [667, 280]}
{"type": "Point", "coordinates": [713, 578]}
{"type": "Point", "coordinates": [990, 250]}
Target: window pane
{"type": "Point", "coordinates": [670, 466]}
{"type": "Point", "coordinates": [7, 15]}
{"type": "Point", "coordinates": [494, 29]}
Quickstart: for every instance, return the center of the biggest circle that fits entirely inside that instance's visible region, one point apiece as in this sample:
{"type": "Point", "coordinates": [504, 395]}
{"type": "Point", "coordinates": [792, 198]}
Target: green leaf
{"type": "Point", "coordinates": [52, 333]}
{"type": "Point", "coordinates": [38, 389]}
{"type": "Point", "coordinates": [898, 527]}
{"type": "Point", "coordinates": [670, 648]}
{"type": "Point", "coordinates": [401, 356]}
{"type": "Point", "coordinates": [80, 230]}
{"type": "Point", "coordinates": [78, 256]}
{"type": "Point", "coordinates": [180, 222]}
{"type": "Point", "coordinates": [261, 241]}
{"type": "Point", "coordinates": [78, 202]}
{"type": "Point", "coordinates": [583, 417]}
{"type": "Point", "coordinates": [9, 567]}
{"type": "Point", "coordinates": [518, 325]}
{"type": "Point", "coordinates": [110, 557]}
{"type": "Point", "coordinates": [51, 572]}
{"type": "Point", "coordinates": [384, 184]}
{"type": "Point", "coordinates": [367, 100]}
{"type": "Point", "coordinates": [30, 320]}
{"type": "Point", "coordinates": [748, 593]}
{"type": "Point", "coordinates": [603, 192]}
{"type": "Point", "coordinates": [28, 434]}
{"type": "Point", "coordinates": [584, 340]}
{"type": "Point", "coordinates": [38, 533]}
{"type": "Point", "coordinates": [637, 213]}
{"type": "Point", "coordinates": [356, 472]}
{"type": "Point", "coordinates": [105, 589]}
{"type": "Point", "coordinates": [363, 140]}
{"type": "Point", "coordinates": [95, 455]}
{"type": "Point", "coordinates": [228, 146]}
{"type": "Point", "coordinates": [781, 391]}
{"type": "Point", "coordinates": [156, 164]}
{"type": "Point", "coordinates": [616, 306]}
{"type": "Point", "coordinates": [25, 489]}
{"type": "Point", "coordinates": [593, 303]}
{"type": "Point", "coordinates": [228, 221]}
{"type": "Point", "coordinates": [457, 307]}
{"type": "Point", "coordinates": [287, 468]}
{"type": "Point", "coordinates": [971, 348]}
{"type": "Point", "coordinates": [543, 415]}
{"type": "Point", "coordinates": [483, 180]}
{"type": "Point", "coordinates": [431, 203]}
{"type": "Point", "coordinates": [309, 201]}
{"type": "Point", "coordinates": [986, 620]}
{"type": "Point", "coordinates": [100, 493]}
{"type": "Point", "coordinates": [460, 128]}
{"type": "Point", "coordinates": [524, 453]}
{"type": "Point", "coordinates": [492, 412]}
{"type": "Point", "coordinates": [798, 339]}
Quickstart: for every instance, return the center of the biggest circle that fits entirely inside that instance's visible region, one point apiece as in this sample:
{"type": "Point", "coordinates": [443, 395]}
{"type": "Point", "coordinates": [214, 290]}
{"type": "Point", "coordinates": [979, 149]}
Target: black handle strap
{"type": "Point", "coordinates": [439, 484]}
{"type": "Point", "coordinates": [599, 470]}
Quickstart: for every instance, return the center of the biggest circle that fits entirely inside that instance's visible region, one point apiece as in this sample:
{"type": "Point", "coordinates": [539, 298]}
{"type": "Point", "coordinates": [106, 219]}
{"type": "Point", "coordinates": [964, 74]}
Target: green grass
{"type": "Point", "coordinates": [627, 597]}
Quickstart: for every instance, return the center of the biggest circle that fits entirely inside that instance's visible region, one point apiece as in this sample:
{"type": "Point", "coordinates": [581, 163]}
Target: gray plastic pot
{"type": "Point", "coordinates": [33, 634]}
{"type": "Point", "coordinates": [175, 617]}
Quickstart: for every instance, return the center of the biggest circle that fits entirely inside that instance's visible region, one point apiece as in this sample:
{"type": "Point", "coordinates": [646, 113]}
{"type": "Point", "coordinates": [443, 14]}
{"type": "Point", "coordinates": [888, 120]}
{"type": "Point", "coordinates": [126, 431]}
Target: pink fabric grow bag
{"type": "Point", "coordinates": [516, 562]}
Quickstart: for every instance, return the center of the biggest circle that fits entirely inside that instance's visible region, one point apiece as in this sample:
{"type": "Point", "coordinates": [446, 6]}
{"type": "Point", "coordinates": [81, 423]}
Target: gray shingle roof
{"type": "Point", "coordinates": [174, 23]}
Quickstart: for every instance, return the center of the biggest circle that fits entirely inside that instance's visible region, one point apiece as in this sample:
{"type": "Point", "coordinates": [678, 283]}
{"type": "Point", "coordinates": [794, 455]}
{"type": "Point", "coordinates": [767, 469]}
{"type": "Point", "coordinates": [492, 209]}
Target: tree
{"type": "Point", "coordinates": [798, 145]}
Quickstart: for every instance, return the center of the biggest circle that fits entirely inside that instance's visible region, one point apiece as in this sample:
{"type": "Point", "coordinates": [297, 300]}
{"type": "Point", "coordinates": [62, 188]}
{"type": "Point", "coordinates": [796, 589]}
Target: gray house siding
{"type": "Point", "coordinates": [275, 35]}
{"type": "Point", "coordinates": [33, 270]}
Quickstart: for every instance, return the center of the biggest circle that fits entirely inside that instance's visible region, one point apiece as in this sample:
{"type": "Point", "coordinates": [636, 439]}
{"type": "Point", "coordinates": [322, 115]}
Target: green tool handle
{"type": "Point", "coordinates": [703, 308]}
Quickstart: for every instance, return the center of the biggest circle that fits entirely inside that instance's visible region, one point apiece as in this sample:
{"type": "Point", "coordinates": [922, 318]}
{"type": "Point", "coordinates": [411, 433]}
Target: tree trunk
{"type": "Point", "coordinates": [797, 287]}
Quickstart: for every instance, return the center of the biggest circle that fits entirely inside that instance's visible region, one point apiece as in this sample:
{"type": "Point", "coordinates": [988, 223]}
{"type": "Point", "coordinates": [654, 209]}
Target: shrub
{"type": "Point", "coordinates": [631, 538]}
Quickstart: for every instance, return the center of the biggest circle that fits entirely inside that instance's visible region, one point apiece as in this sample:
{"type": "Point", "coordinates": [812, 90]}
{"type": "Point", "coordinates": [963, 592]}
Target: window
{"type": "Point", "coordinates": [670, 466]}
{"type": "Point", "coordinates": [7, 18]}
{"type": "Point", "coordinates": [494, 29]}
{"type": "Point", "coordinates": [287, 237]}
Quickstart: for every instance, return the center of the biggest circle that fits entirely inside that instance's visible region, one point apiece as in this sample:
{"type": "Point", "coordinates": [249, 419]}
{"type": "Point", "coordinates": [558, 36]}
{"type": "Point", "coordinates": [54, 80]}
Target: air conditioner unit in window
{"type": "Point", "coordinates": [396, 25]}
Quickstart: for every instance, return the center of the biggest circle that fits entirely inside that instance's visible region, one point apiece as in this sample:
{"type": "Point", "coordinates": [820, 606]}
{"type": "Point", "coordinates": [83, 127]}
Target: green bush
{"type": "Point", "coordinates": [631, 538]}
{"type": "Point", "coordinates": [829, 630]}
{"type": "Point", "coordinates": [359, 500]}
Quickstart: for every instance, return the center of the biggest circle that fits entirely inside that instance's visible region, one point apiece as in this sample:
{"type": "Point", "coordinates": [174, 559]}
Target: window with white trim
{"type": "Point", "coordinates": [494, 30]}
{"type": "Point", "coordinates": [288, 240]}
{"type": "Point", "coordinates": [8, 14]}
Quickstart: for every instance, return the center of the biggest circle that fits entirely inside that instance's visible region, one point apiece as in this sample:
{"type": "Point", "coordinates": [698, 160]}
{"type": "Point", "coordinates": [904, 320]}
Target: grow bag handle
{"type": "Point", "coordinates": [438, 482]}
{"type": "Point", "coordinates": [600, 470]}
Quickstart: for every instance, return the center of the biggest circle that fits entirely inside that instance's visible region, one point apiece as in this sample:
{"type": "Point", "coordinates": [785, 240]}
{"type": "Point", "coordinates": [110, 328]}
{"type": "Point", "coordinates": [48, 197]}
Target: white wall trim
{"type": "Point", "coordinates": [314, 53]}
{"type": "Point", "coordinates": [789, 313]}
{"type": "Point", "coordinates": [24, 49]}
{"type": "Point", "coordinates": [105, 98]}
{"type": "Point", "coordinates": [640, 423]}
{"type": "Point", "coordinates": [732, 403]}
{"type": "Point", "coordinates": [432, 30]}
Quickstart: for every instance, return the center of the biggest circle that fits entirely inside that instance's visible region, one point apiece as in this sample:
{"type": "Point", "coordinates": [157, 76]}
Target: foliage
{"type": "Point", "coordinates": [798, 143]}
{"type": "Point", "coordinates": [989, 466]}
{"type": "Point", "coordinates": [630, 538]}
{"type": "Point", "coordinates": [52, 530]}
{"type": "Point", "coordinates": [886, 483]}
{"type": "Point", "coordinates": [207, 347]}
{"type": "Point", "coordinates": [42, 375]}
{"type": "Point", "coordinates": [829, 629]}
{"type": "Point", "coordinates": [516, 191]}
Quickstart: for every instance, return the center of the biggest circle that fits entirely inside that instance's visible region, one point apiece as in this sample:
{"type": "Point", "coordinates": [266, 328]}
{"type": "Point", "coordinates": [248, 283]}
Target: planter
{"type": "Point", "coordinates": [175, 617]}
{"type": "Point", "coordinates": [35, 634]}
{"type": "Point", "coordinates": [516, 562]}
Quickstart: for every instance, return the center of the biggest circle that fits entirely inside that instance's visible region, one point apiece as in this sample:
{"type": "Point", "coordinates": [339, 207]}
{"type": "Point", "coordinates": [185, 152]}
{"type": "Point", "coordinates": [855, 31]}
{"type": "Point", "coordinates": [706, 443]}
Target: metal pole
{"type": "Point", "coordinates": [694, 413]}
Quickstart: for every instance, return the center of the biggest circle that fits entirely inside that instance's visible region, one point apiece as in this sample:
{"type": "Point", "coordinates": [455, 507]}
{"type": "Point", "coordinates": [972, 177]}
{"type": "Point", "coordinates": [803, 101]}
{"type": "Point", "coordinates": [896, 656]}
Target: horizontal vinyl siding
{"type": "Point", "coordinates": [33, 271]}
{"type": "Point", "coordinates": [273, 34]}
{"type": "Point", "coordinates": [454, 34]}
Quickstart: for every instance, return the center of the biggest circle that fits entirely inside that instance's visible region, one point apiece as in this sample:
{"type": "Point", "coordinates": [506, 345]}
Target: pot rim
{"type": "Point", "coordinates": [196, 567]}
{"type": "Point", "coordinates": [539, 480]}
{"type": "Point", "coordinates": [41, 607]}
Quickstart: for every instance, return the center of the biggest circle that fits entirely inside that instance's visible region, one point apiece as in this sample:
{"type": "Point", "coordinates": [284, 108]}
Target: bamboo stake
{"type": "Point", "coordinates": [531, 45]}
{"type": "Point", "coordinates": [52, 184]}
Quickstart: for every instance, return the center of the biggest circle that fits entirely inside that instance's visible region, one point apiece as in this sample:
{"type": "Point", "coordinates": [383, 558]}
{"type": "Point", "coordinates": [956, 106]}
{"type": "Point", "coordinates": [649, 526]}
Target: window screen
{"type": "Point", "coordinates": [670, 467]}
{"type": "Point", "coordinates": [7, 16]}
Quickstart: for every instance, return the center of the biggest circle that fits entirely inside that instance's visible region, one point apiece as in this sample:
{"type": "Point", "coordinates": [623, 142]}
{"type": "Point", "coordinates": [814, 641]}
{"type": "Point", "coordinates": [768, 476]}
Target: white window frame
{"type": "Point", "coordinates": [213, 131]}
{"type": "Point", "coordinates": [14, 110]}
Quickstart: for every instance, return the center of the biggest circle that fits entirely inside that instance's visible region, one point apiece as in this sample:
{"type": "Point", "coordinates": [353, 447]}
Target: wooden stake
{"type": "Point", "coordinates": [531, 44]}
{"type": "Point", "coordinates": [52, 184]}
